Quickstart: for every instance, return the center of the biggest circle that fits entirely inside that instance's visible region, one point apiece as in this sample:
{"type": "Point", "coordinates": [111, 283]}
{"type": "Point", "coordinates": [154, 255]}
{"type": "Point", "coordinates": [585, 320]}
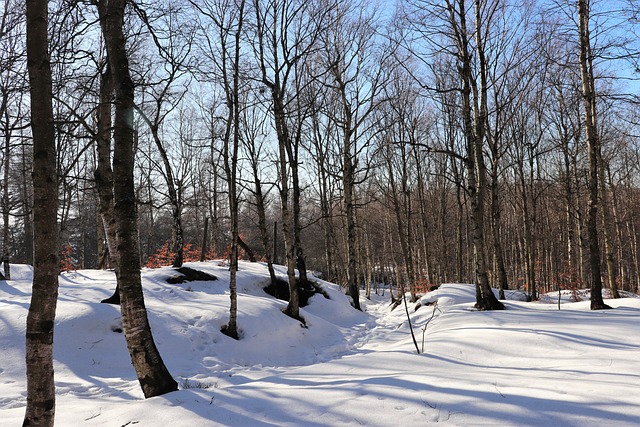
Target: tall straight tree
{"type": "Point", "coordinates": [153, 375]}
{"type": "Point", "coordinates": [594, 150]}
{"type": "Point", "coordinates": [464, 27]}
{"type": "Point", "coordinates": [228, 19]}
{"type": "Point", "coordinates": [355, 78]}
{"type": "Point", "coordinates": [39, 347]}
{"type": "Point", "coordinates": [286, 33]}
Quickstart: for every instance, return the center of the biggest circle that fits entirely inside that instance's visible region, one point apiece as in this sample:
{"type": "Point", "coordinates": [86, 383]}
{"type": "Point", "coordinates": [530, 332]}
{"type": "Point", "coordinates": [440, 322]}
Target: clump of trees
{"type": "Point", "coordinates": [486, 141]}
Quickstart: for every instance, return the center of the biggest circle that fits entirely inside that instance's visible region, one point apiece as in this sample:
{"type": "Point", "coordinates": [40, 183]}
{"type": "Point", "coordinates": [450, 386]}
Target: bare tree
{"type": "Point", "coordinates": [13, 88]}
{"type": "Point", "coordinates": [103, 174]}
{"type": "Point", "coordinates": [355, 76]}
{"type": "Point", "coordinates": [286, 33]}
{"type": "Point", "coordinates": [153, 375]}
{"type": "Point", "coordinates": [173, 40]}
{"type": "Point", "coordinates": [594, 150]}
{"type": "Point", "coordinates": [254, 141]}
{"type": "Point", "coordinates": [462, 32]}
{"type": "Point", "coordinates": [40, 320]}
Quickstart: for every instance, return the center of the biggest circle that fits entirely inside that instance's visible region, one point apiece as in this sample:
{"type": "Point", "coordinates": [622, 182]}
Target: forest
{"type": "Point", "coordinates": [407, 143]}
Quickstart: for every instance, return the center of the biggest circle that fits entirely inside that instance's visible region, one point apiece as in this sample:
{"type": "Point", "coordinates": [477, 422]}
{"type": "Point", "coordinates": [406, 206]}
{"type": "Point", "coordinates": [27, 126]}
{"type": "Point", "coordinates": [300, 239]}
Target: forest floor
{"type": "Point", "coordinates": [529, 365]}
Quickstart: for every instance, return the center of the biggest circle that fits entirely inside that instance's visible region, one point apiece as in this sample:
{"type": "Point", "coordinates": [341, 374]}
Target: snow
{"type": "Point", "coordinates": [529, 365]}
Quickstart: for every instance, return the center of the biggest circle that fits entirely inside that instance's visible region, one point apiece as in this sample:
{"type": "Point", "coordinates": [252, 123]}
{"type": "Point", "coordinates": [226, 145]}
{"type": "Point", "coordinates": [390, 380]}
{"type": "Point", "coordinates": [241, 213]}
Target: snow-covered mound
{"type": "Point", "coordinates": [186, 320]}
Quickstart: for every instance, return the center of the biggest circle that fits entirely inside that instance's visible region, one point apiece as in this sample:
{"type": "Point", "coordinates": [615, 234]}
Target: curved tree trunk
{"type": "Point", "coordinates": [152, 374]}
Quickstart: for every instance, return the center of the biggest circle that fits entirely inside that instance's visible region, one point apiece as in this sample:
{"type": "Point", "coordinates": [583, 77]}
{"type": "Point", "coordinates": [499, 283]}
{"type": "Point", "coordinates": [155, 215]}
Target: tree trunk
{"type": "Point", "coordinates": [277, 85]}
{"type": "Point", "coordinates": [619, 233]}
{"type": "Point", "coordinates": [262, 224]}
{"type": "Point", "coordinates": [497, 247]}
{"type": "Point", "coordinates": [579, 218]}
{"type": "Point", "coordinates": [26, 211]}
{"type": "Point", "coordinates": [293, 308]}
{"type": "Point", "coordinates": [104, 176]}
{"type": "Point", "coordinates": [301, 264]}
{"type": "Point", "coordinates": [152, 374]}
{"type": "Point", "coordinates": [40, 409]}
{"type": "Point", "coordinates": [323, 189]}
{"type": "Point", "coordinates": [175, 195]}
{"type": "Point", "coordinates": [401, 210]}
{"type": "Point", "coordinates": [205, 240]}
{"type": "Point", "coordinates": [349, 210]}
{"type": "Point", "coordinates": [635, 251]}
{"type": "Point", "coordinates": [607, 233]}
{"type": "Point", "coordinates": [476, 179]}
{"type": "Point", "coordinates": [6, 208]}
{"type": "Point", "coordinates": [230, 154]}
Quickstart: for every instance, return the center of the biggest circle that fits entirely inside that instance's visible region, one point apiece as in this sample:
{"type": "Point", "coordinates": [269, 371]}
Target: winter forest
{"type": "Point", "coordinates": [387, 147]}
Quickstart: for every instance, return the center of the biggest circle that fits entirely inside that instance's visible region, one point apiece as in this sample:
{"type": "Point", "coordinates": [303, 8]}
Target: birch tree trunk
{"type": "Point", "coordinates": [40, 320]}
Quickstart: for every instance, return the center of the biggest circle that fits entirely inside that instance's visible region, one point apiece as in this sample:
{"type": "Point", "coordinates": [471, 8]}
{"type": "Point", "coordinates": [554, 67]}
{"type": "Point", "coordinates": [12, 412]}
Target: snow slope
{"type": "Point", "coordinates": [530, 365]}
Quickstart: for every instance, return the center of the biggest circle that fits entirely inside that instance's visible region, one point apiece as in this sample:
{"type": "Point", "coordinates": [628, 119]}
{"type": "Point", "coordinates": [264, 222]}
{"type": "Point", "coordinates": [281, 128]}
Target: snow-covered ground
{"type": "Point", "coordinates": [530, 365]}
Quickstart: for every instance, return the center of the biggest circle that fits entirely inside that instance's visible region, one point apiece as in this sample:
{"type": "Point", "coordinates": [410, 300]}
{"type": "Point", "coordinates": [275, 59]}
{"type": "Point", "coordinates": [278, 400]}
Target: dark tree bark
{"type": "Point", "coordinates": [40, 320]}
{"type": "Point", "coordinates": [348, 183]}
{"type": "Point", "coordinates": [152, 374]}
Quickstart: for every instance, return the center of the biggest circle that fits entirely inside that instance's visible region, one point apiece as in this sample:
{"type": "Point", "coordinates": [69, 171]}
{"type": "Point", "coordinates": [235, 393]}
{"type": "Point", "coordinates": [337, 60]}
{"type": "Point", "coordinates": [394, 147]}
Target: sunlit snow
{"type": "Point", "coordinates": [530, 365]}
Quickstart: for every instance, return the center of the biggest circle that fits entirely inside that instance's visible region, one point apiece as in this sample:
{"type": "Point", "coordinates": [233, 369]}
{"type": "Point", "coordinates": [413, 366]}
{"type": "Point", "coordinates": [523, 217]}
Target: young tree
{"type": "Point", "coordinates": [227, 18]}
{"type": "Point", "coordinates": [173, 40]}
{"type": "Point", "coordinates": [13, 89]}
{"type": "Point", "coordinates": [40, 320]}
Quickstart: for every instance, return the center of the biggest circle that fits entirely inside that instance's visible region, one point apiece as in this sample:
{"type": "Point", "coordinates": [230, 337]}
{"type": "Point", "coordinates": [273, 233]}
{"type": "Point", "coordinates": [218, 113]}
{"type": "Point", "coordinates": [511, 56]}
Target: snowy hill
{"type": "Point", "coordinates": [530, 365]}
